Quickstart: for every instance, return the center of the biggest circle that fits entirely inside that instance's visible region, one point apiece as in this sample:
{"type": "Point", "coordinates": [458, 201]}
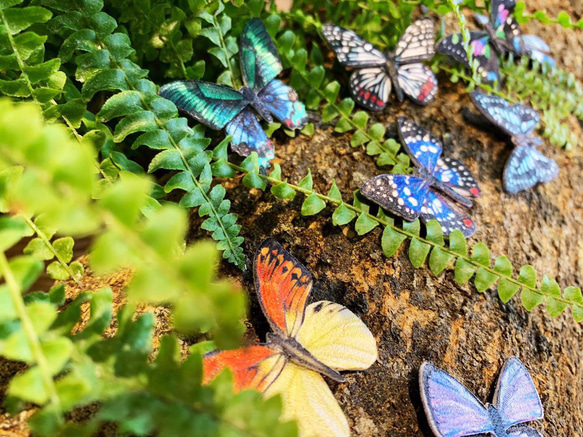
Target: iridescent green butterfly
{"type": "Point", "coordinates": [262, 95]}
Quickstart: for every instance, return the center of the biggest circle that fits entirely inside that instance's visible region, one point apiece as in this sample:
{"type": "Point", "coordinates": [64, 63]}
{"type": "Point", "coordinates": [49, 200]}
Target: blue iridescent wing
{"type": "Point", "coordinates": [403, 195]}
{"type": "Point", "coordinates": [211, 104]}
{"type": "Point", "coordinates": [535, 48]}
{"type": "Point", "coordinates": [352, 50]}
{"type": "Point", "coordinates": [418, 82]}
{"type": "Point", "coordinates": [417, 43]}
{"type": "Point", "coordinates": [515, 120]}
{"type": "Point", "coordinates": [370, 87]}
{"type": "Point", "coordinates": [481, 50]}
{"type": "Point", "coordinates": [248, 136]}
{"type": "Point", "coordinates": [423, 148]}
{"type": "Point", "coordinates": [526, 167]}
{"type": "Point", "coordinates": [516, 398]}
{"type": "Point", "coordinates": [457, 176]}
{"type": "Point", "coordinates": [259, 60]}
{"type": "Point", "coordinates": [283, 102]}
{"type": "Point", "coordinates": [523, 431]}
{"type": "Point", "coordinates": [452, 410]}
{"type": "Point", "coordinates": [447, 213]}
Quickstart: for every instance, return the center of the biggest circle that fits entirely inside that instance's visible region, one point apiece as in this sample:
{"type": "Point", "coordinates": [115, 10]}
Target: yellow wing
{"type": "Point", "coordinates": [308, 400]}
{"type": "Point", "coordinates": [336, 337]}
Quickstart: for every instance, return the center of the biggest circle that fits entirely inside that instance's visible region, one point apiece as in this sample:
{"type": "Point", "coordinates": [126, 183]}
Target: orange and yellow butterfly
{"type": "Point", "coordinates": [321, 338]}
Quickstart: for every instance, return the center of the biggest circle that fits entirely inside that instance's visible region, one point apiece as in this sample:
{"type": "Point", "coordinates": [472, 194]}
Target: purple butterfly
{"type": "Point", "coordinates": [453, 411]}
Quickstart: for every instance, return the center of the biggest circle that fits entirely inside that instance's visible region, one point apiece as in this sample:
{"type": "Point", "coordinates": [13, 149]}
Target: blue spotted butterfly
{"type": "Point", "coordinates": [485, 44]}
{"type": "Point", "coordinates": [370, 83]}
{"type": "Point", "coordinates": [526, 166]}
{"type": "Point", "coordinates": [433, 193]}
{"type": "Point", "coordinates": [221, 107]}
{"type": "Point", "coordinates": [530, 45]}
{"type": "Point", "coordinates": [453, 411]}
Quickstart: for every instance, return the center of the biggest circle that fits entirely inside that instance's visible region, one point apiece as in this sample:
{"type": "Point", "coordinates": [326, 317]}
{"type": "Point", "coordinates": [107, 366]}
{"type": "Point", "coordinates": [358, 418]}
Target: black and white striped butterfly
{"type": "Point", "coordinates": [526, 166]}
{"type": "Point", "coordinates": [370, 83]}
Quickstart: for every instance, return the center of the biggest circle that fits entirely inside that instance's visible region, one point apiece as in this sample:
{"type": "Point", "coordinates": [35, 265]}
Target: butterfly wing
{"type": "Point", "coordinates": [451, 409]}
{"type": "Point", "coordinates": [516, 398]}
{"type": "Point", "coordinates": [208, 103]}
{"type": "Point", "coordinates": [417, 43]}
{"type": "Point", "coordinates": [283, 102]}
{"type": "Point", "coordinates": [403, 195]}
{"type": "Point", "coordinates": [457, 176]}
{"type": "Point", "coordinates": [253, 367]}
{"type": "Point", "coordinates": [283, 286]}
{"type": "Point", "coordinates": [418, 82]}
{"type": "Point", "coordinates": [535, 48]}
{"type": "Point", "coordinates": [248, 136]}
{"type": "Point", "coordinates": [481, 50]}
{"type": "Point", "coordinates": [336, 337]}
{"type": "Point", "coordinates": [500, 11]}
{"type": "Point", "coordinates": [352, 50]}
{"type": "Point", "coordinates": [447, 213]}
{"type": "Point", "coordinates": [259, 60]}
{"type": "Point", "coordinates": [523, 431]}
{"type": "Point", "coordinates": [422, 146]}
{"type": "Point", "coordinates": [515, 119]}
{"type": "Point", "coordinates": [370, 87]}
{"type": "Point", "coordinates": [526, 167]}
{"type": "Point", "coordinates": [308, 400]}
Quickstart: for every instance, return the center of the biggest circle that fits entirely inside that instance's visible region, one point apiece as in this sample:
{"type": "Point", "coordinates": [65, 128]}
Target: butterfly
{"type": "Point", "coordinates": [219, 107]}
{"type": "Point", "coordinates": [307, 341]}
{"type": "Point", "coordinates": [484, 44]}
{"type": "Point", "coordinates": [453, 411]}
{"type": "Point", "coordinates": [529, 45]}
{"type": "Point", "coordinates": [370, 83]}
{"type": "Point", "coordinates": [526, 166]}
{"type": "Point", "coordinates": [434, 191]}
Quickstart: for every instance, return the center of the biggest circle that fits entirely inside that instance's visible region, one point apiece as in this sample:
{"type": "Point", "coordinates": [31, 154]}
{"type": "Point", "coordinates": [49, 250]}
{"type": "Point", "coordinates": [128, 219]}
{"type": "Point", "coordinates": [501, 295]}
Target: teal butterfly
{"type": "Point", "coordinates": [262, 95]}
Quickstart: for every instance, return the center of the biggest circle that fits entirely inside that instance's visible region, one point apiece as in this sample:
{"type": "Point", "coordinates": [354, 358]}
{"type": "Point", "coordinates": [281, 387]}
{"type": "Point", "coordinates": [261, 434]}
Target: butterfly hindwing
{"type": "Point", "coordinates": [336, 337]}
{"type": "Point", "coordinates": [352, 50]}
{"type": "Point", "coordinates": [452, 410]}
{"type": "Point", "coordinates": [447, 213]}
{"type": "Point", "coordinates": [283, 286]}
{"type": "Point", "coordinates": [457, 176]}
{"type": "Point", "coordinates": [501, 14]}
{"type": "Point", "coordinates": [259, 60]}
{"type": "Point", "coordinates": [209, 103]}
{"type": "Point", "coordinates": [283, 102]}
{"type": "Point", "coordinates": [418, 82]}
{"type": "Point", "coordinates": [249, 136]}
{"type": "Point", "coordinates": [523, 431]}
{"type": "Point", "coordinates": [516, 397]}
{"type": "Point", "coordinates": [253, 367]}
{"type": "Point", "coordinates": [535, 48]}
{"type": "Point", "coordinates": [422, 146]}
{"type": "Point", "coordinates": [526, 167]}
{"type": "Point", "coordinates": [417, 43]}
{"type": "Point", "coordinates": [403, 195]}
{"type": "Point", "coordinates": [370, 87]}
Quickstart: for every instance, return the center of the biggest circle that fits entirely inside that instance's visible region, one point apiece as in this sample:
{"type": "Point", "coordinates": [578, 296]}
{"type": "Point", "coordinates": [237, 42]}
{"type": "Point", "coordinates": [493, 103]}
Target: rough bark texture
{"type": "Point", "coordinates": [414, 315]}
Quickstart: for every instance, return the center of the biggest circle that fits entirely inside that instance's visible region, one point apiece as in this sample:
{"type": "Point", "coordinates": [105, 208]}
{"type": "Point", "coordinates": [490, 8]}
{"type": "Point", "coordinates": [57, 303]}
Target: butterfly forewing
{"type": "Point", "coordinates": [248, 136]}
{"type": "Point", "coordinates": [526, 167]}
{"type": "Point", "coordinates": [457, 176]}
{"type": "Point", "coordinates": [370, 87]}
{"type": "Point", "coordinates": [283, 286]}
{"type": "Point", "coordinates": [403, 195]}
{"type": "Point", "coordinates": [516, 397]}
{"type": "Point", "coordinates": [209, 103]}
{"type": "Point", "coordinates": [452, 410]}
{"type": "Point", "coordinates": [418, 82]}
{"type": "Point", "coordinates": [447, 213]}
{"type": "Point", "coordinates": [417, 43]}
{"type": "Point", "coordinates": [283, 102]}
{"type": "Point", "coordinates": [253, 367]}
{"type": "Point", "coordinates": [352, 50]}
{"type": "Point", "coordinates": [422, 146]}
{"type": "Point", "coordinates": [259, 60]}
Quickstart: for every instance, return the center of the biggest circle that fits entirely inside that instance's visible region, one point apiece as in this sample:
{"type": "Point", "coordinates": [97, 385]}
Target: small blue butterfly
{"type": "Point", "coordinates": [433, 192]}
{"type": "Point", "coordinates": [221, 107]}
{"type": "Point", "coordinates": [453, 411]}
{"type": "Point", "coordinates": [526, 166]}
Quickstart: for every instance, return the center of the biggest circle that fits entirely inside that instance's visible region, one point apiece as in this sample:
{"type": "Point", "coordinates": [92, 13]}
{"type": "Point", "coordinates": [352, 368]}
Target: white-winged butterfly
{"type": "Point", "coordinates": [376, 72]}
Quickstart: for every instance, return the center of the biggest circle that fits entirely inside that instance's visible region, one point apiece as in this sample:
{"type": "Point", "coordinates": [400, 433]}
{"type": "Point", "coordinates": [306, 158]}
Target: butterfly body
{"type": "Point", "coordinates": [262, 96]}
{"type": "Point", "coordinates": [434, 191]}
{"type": "Point", "coordinates": [375, 72]}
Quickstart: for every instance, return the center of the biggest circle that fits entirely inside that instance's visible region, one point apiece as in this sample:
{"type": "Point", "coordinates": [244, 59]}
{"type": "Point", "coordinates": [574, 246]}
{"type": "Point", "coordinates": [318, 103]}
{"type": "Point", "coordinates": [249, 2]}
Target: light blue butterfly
{"type": "Point", "coordinates": [453, 411]}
